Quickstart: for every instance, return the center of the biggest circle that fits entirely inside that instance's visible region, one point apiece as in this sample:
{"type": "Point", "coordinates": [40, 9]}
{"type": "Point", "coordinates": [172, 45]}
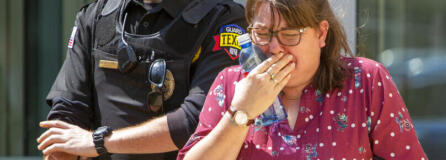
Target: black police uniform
{"type": "Point", "coordinates": [196, 38]}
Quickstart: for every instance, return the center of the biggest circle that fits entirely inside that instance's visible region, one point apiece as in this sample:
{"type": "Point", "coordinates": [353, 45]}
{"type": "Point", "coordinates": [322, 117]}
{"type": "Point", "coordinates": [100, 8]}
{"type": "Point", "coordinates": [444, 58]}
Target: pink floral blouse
{"type": "Point", "coordinates": [366, 119]}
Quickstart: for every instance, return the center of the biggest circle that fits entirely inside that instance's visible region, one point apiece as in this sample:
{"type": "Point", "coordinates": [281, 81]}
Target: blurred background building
{"type": "Point", "coordinates": [407, 36]}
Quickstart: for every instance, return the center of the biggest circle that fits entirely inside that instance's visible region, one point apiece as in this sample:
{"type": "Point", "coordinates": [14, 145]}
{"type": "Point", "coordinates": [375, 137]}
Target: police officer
{"type": "Point", "coordinates": [132, 62]}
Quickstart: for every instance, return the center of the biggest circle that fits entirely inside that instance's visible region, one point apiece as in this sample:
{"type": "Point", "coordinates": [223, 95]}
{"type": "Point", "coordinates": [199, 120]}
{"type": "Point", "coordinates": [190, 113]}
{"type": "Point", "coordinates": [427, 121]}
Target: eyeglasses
{"type": "Point", "coordinates": [286, 36]}
{"type": "Point", "coordinates": [156, 76]}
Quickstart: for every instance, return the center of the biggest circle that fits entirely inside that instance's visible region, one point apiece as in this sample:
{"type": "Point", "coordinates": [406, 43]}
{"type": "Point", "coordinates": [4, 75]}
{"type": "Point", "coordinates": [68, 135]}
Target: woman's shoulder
{"type": "Point", "coordinates": [366, 72]}
{"type": "Point", "coordinates": [233, 68]}
{"type": "Point", "coordinates": [364, 64]}
{"type": "Point", "coordinates": [231, 73]}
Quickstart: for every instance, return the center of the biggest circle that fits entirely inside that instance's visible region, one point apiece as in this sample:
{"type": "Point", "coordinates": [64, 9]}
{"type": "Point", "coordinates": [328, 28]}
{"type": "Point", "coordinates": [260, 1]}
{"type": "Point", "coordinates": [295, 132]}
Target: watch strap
{"type": "Point", "coordinates": [98, 139]}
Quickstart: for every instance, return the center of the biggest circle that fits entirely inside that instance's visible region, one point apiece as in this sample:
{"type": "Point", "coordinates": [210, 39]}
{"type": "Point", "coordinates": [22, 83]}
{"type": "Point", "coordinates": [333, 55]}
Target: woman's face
{"type": "Point", "coordinates": [306, 54]}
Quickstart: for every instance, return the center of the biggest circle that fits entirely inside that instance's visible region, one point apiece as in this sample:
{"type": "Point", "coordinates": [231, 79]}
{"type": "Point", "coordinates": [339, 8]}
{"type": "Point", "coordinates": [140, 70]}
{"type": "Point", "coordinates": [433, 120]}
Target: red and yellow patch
{"type": "Point", "coordinates": [227, 40]}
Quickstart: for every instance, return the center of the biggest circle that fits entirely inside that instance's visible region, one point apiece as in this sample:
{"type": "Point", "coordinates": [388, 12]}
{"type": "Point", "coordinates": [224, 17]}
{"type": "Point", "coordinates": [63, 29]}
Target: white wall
{"type": "Point", "coordinates": [345, 10]}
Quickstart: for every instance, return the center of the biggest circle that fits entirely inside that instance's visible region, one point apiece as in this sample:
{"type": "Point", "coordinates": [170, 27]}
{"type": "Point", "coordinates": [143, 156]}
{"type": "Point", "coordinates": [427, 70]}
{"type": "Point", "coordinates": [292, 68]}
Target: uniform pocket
{"type": "Point", "coordinates": [120, 89]}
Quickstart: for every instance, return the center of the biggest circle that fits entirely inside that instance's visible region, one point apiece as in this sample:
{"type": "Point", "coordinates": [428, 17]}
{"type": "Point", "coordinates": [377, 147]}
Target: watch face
{"type": "Point", "coordinates": [103, 131]}
{"type": "Point", "coordinates": [100, 130]}
{"type": "Point", "coordinates": [240, 118]}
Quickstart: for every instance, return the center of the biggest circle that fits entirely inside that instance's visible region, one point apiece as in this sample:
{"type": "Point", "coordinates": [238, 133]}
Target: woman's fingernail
{"type": "Point", "coordinates": [293, 64]}
{"type": "Point", "coordinates": [290, 57]}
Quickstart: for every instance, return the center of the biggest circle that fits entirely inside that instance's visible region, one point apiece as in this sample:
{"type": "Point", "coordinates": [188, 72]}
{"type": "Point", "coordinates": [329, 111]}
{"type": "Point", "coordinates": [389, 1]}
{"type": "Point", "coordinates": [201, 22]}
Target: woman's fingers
{"type": "Point", "coordinates": [279, 65]}
{"type": "Point", "coordinates": [282, 84]}
{"type": "Point", "coordinates": [279, 76]}
{"type": "Point", "coordinates": [264, 82]}
{"type": "Point", "coordinates": [262, 67]}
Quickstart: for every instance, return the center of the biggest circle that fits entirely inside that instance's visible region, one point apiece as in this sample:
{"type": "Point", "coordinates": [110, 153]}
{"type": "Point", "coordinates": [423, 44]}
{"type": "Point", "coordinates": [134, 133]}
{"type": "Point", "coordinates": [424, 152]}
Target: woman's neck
{"type": "Point", "coordinates": [292, 93]}
{"type": "Point", "coordinates": [291, 101]}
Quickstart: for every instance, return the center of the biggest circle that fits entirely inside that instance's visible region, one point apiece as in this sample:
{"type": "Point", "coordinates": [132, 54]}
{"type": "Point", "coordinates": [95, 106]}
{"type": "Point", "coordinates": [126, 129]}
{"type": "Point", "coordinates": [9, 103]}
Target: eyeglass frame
{"type": "Point", "coordinates": [275, 33]}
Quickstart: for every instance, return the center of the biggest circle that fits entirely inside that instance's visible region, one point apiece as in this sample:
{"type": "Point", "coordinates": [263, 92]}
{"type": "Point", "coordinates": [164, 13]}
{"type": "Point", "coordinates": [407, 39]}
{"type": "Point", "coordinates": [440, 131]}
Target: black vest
{"type": "Point", "coordinates": [121, 97]}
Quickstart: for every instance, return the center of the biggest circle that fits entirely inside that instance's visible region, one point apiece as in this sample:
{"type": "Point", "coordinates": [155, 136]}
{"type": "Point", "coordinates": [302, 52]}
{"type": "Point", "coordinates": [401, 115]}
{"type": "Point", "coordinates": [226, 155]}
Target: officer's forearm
{"type": "Point", "coordinates": [149, 137]}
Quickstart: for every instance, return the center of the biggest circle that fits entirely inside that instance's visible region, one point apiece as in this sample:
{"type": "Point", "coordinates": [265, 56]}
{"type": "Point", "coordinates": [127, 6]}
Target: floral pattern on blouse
{"type": "Point", "coordinates": [365, 119]}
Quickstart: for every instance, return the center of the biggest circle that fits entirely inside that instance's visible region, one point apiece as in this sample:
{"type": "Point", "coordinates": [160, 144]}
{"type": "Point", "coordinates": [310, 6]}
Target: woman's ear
{"type": "Point", "coordinates": [323, 30]}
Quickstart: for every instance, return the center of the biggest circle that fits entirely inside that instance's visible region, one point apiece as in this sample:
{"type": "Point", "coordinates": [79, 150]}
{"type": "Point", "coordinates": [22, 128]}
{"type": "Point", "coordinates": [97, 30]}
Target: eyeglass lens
{"type": "Point", "coordinates": [288, 37]}
{"type": "Point", "coordinates": [155, 101]}
{"type": "Point", "coordinates": [157, 72]}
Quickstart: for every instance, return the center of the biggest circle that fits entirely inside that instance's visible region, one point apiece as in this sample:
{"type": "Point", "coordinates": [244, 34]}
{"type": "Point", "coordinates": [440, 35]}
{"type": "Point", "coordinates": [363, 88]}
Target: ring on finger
{"type": "Point", "coordinates": [272, 75]}
{"type": "Point", "coordinates": [274, 80]}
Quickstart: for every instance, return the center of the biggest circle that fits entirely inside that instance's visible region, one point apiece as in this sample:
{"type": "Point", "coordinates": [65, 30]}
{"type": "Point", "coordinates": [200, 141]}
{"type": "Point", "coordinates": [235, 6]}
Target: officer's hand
{"type": "Point", "coordinates": [60, 156]}
{"type": "Point", "coordinates": [255, 93]}
{"type": "Point", "coordinates": [65, 137]}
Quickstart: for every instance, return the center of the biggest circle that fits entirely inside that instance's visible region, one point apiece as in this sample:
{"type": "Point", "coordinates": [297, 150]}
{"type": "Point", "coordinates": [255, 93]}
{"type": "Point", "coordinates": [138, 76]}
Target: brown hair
{"type": "Point", "coordinates": [302, 13]}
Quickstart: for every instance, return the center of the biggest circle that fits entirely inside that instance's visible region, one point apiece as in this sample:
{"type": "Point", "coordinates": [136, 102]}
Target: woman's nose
{"type": "Point", "coordinates": [274, 46]}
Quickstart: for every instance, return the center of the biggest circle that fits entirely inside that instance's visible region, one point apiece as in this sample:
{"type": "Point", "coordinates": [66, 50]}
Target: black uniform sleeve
{"type": "Point", "coordinates": [70, 97]}
{"type": "Point", "coordinates": [182, 122]}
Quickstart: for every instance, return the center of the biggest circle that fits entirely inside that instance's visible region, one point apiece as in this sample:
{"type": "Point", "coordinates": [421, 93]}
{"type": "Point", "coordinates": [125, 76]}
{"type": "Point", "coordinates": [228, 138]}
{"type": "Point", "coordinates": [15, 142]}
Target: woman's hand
{"type": "Point", "coordinates": [255, 93]}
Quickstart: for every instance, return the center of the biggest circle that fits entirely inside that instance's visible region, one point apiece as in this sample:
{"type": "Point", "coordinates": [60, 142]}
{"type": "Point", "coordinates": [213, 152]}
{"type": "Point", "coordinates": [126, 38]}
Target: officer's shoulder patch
{"type": "Point", "coordinates": [72, 37]}
{"type": "Point", "coordinates": [227, 40]}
